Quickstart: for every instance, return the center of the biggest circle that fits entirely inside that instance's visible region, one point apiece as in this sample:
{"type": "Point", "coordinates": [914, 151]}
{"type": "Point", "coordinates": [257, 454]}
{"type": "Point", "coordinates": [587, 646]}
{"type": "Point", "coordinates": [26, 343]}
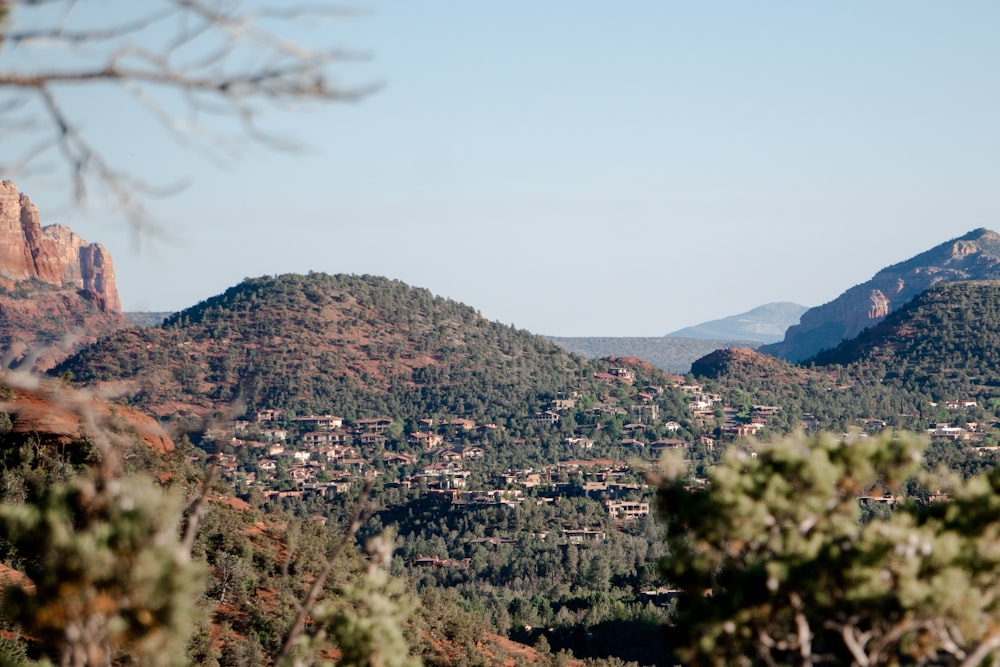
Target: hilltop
{"type": "Point", "coordinates": [309, 342]}
{"type": "Point", "coordinates": [974, 256]}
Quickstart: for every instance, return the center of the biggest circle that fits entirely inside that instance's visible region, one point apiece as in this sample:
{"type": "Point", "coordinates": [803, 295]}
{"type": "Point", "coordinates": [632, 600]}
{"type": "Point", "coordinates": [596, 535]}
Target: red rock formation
{"type": "Point", "coordinates": [54, 254]}
{"type": "Point", "coordinates": [975, 256]}
{"type": "Point", "coordinates": [879, 305]}
{"type": "Point", "coordinates": [15, 258]}
{"type": "Point", "coordinates": [52, 412]}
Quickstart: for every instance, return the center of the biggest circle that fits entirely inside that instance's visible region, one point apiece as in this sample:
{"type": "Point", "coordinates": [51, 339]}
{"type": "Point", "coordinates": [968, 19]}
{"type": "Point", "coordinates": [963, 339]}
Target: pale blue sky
{"type": "Point", "coordinates": [583, 168]}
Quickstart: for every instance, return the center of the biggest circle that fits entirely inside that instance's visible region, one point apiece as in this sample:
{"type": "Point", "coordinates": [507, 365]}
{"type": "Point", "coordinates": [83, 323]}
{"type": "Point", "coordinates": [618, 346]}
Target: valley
{"type": "Point", "coordinates": [516, 488]}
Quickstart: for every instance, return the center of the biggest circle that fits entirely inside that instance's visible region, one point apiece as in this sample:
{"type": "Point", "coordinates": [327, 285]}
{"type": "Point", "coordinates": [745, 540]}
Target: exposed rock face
{"type": "Point", "coordinates": [975, 256]}
{"type": "Point", "coordinates": [51, 413]}
{"type": "Point", "coordinates": [55, 255]}
{"type": "Point", "coordinates": [57, 292]}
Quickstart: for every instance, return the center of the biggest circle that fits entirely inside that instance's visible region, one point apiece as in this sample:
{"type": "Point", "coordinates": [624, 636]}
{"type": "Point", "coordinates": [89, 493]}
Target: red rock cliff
{"type": "Point", "coordinates": [54, 254]}
{"type": "Point", "coordinates": [975, 256]}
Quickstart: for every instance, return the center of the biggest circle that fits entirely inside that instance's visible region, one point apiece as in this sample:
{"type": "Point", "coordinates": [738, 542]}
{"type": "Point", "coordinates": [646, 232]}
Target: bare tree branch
{"type": "Point", "coordinates": [307, 605]}
{"type": "Point", "coordinates": [179, 60]}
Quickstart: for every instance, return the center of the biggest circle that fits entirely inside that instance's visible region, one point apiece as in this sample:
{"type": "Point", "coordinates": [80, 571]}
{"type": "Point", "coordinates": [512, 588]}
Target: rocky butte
{"type": "Point", "coordinates": [55, 254]}
{"type": "Point", "coordinates": [56, 290]}
{"type": "Point", "coordinates": [975, 256]}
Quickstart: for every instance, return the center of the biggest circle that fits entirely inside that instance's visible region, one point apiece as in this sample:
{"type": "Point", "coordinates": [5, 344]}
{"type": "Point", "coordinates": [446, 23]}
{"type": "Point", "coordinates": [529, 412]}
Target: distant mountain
{"type": "Point", "coordinates": [764, 324]}
{"type": "Point", "coordinates": [975, 256]}
{"type": "Point", "coordinates": [57, 292]}
{"type": "Point", "coordinates": [311, 343]}
{"type": "Point", "coordinates": [673, 355]}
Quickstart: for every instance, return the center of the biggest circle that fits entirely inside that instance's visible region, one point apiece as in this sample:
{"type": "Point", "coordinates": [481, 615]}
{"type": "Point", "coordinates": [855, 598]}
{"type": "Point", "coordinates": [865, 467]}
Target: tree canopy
{"type": "Point", "coordinates": [812, 552]}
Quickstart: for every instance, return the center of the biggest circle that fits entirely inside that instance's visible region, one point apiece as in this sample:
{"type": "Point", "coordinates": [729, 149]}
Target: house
{"type": "Point", "coordinates": [657, 447]}
{"type": "Point", "coordinates": [547, 417]}
{"type": "Point", "coordinates": [886, 499]}
{"type": "Point", "coordinates": [626, 509]}
{"type": "Point", "coordinates": [743, 430]}
{"type": "Point", "coordinates": [443, 468]}
{"type": "Point", "coordinates": [426, 440]}
{"type": "Point", "coordinates": [461, 453]}
{"type": "Point", "coordinates": [240, 426]}
{"type": "Point", "coordinates": [317, 438]}
{"type": "Point", "coordinates": [583, 535]}
{"type": "Point", "coordinates": [374, 425]}
{"type": "Point", "coordinates": [563, 404]}
{"type": "Point", "coordinates": [943, 430]}
{"type": "Point", "coordinates": [671, 426]}
{"type": "Point", "coordinates": [602, 410]}
{"type": "Point", "coordinates": [650, 410]}
{"type": "Point", "coordinates": [320, 422]}
{"type": "Point", "coordinates": [393, 458]}
{"type": "Point", "coordinates": [274, 434]}
{"type": "Point", "coordinates": [336, 452]}
{"type": "Point", "coordinates": [463, 424]}
{"type": "Point", "coordinates": [372, 439]}
{"type": "Point", "coordinates": [354, 465]}
{"type": "Point", "coordinates": [627, 375]}
{"type": "Point", "coordinates": [874, 425]}
{"type": "Point", "coordinates": [434, 561]}
{"type": "Point", "coordinates": [582, 443]}
{"type": "Point", "coordinates": [270, 415]}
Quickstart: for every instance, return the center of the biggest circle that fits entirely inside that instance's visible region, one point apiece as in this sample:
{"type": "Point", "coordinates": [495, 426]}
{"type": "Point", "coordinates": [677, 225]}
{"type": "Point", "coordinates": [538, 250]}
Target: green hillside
{"type": "Point", "coordinates": [942, 346]}
{"type": "Point", "coordinates": [317, 342]}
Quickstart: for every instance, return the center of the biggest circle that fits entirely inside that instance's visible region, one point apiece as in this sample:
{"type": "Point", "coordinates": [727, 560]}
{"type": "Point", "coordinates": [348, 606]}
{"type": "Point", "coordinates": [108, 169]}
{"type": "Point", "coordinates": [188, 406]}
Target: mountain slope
{"type": "Point", "coordinates": [952, 330]}
{"type": "Point", "coordinates": [313, 343]}
{"type": "Point", "coordinates": [943, 346]}
{"type": "Point", "coordinates": [975, 256]}
{"type": "Point", "coordinates": [764, 324]}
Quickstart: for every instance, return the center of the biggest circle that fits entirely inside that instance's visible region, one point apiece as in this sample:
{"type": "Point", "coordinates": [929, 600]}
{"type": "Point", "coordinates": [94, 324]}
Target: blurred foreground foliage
{"type": "Point", "coordinates": [833, 551]}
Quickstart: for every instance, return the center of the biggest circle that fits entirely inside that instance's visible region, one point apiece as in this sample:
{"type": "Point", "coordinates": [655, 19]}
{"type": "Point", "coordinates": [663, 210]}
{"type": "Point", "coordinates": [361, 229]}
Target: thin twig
{"type": "Point", "coordinates": [358, 517]}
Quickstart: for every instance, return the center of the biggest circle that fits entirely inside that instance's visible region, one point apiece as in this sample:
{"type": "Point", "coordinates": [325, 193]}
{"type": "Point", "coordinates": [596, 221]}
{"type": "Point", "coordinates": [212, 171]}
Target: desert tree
{"type": "Point", "coordinates": [205, 70]}
{"type": "Point", "coordinates": [777, 563]}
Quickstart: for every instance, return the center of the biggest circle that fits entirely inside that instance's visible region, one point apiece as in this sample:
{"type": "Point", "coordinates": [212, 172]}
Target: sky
{"type": "Point", "coordinates": [582, 168]}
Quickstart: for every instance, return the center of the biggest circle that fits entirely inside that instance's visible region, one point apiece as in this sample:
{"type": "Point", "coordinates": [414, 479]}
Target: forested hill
{"type": "Point", "coordinates": [942, 346]}
{"type": "Point", "coordinates": [312, 343]}
{"type": "Point", "coordinates": [974, 256]}
{"type": "Point", "coordinates": [952, 330]}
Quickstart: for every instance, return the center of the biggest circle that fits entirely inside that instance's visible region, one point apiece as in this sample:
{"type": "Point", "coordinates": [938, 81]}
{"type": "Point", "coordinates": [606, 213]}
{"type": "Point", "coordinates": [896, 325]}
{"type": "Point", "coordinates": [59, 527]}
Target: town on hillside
{"type": "Point", "coordinates": [600, 446]}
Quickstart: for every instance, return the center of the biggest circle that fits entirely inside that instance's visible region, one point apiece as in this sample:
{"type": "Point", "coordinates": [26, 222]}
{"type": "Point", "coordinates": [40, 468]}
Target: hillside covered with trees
{"type": "Point", "coordinates": [308, 342]}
